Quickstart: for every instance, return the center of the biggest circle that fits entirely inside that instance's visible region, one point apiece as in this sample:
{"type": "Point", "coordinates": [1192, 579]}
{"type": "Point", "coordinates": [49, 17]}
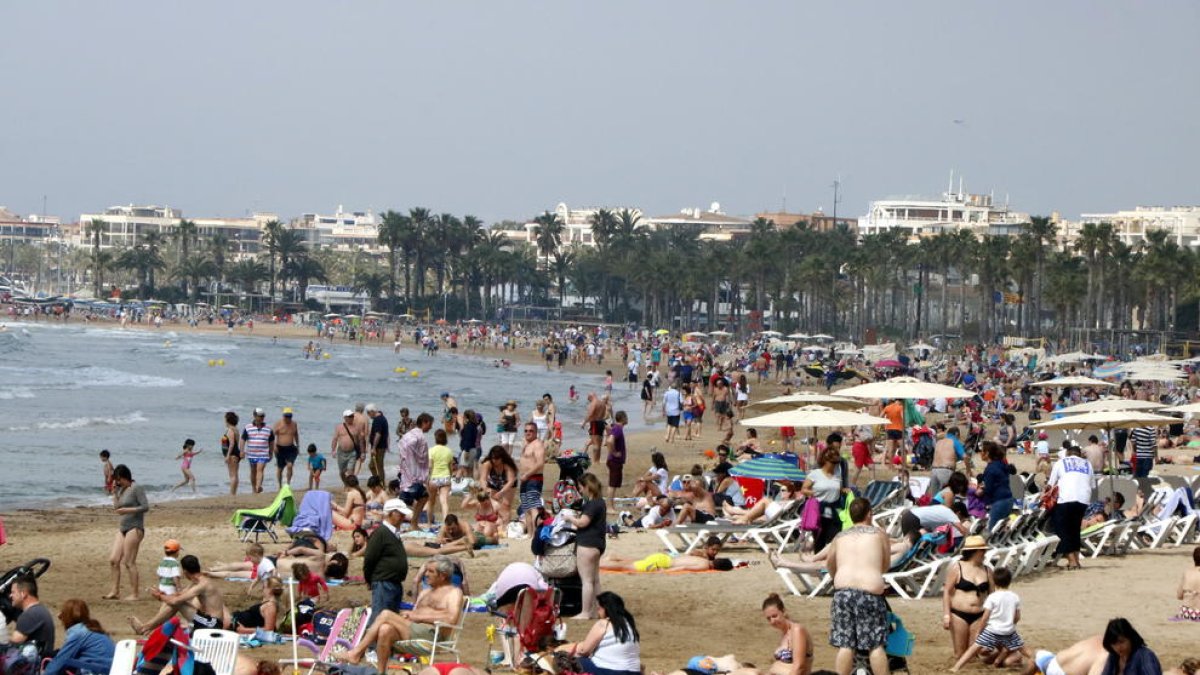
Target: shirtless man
{"type": "Point", "coordinates": [529, 475]}
{"type": "Point", "coordinates": [722, 406]}
{"type": "Point", "coordinates": [700, 508]}
{"type": "Point", "coordinates": [362, 431]}
{"type": "Point", "coordinates": [593, 421]}
{"type": "Point", "coordinates": [1086, 657]}
{"type": "Point", "coordinates": [858, 558]}
{"type": "Point", "coordinates": [201, 603]}
{"type": "Point", "coordinates": [1189, 590]}
{"type": "Point", "coordinates": [287, 446]}
{"type": "Point", "coordinates": [945, 459]}
{"type": "Point", "coordinates": [442, 601]}
{"type": "Point", "coordinates": [345, 446]}
{"type": "Point", "coordinates": [706, 560]}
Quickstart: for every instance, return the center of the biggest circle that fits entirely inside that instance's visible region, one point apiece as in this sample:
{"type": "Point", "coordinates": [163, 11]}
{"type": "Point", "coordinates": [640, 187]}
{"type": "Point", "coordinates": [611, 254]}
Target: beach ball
{"type": "Point", "coordinates": [220, 362]}
{"type": "Point", "coordinates": [211, 363]}
{"type": "Point", "coordinates": [397, 369]}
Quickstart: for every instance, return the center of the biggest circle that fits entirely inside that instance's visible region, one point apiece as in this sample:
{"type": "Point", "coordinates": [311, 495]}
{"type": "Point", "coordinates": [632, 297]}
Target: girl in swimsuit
{"type": "Point", "coordinates": [376, 496]}
{"type": "Point", "coordinates": [185, 465]}
{"type": "Point", "coordinates": [795, 653]}
{"type": "Point", "coordinates": [263, 615]}
{"type": "Point", "coordinates": [967, 584]}
{"type": "Point", "coordinates": [352, 513]}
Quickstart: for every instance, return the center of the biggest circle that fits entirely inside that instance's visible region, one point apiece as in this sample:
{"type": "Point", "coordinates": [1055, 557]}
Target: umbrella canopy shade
{"type": "Point", "coordinates": [906, 387]}
{"type": "Point", "coordinates": [695, 333]}
{"type": "Point", "coordinates": [1185, 408]}
{"type": "Point", "coordinates": [474, 321]}
{"type": "Point", "coordinates": [798, 336]}
{"type": "Point", "coordinates": [1109, 419]}
{"type": "Point", "coordinates": [721, 333]}
{"type": "Point", "coordinates": [822, 336]}
{"type": "Point", "coordinates": [1153, 374]}
{"type": "Point", "coordinates": [803, 398]}
{"type": "Point", "coordinates": [1109, 405]}
{"type": "Point", "coordinates": [406, 316]}
{"type": "Point", "coordinates": [922, 347]}
{"type": "Point", "coordinates": [814, 416]}
{"type": "Point", "coordinates": [889, 363]}
{"type": "Point", "coordinates": [814, 348]}
{"type": "Point", "coordinates": [1076, 381]}
{"type": "Point", "coordinates": [333, 316]}
{"type": "Point", "coordinates": [662, 331]}
{"type": "Point", "coordinates": [228, 306]}
{"type": "Point", "coordinates": [768, 468]}
{"type": "Point", "coordinates": [771, 333]}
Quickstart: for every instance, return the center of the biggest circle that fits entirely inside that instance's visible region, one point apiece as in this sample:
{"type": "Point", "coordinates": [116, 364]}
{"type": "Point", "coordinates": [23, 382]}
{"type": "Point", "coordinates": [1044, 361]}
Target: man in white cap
{"type": "Point", "coordinates": [258, 441]}
{"type": "Point", "coordinates": [385, 563]}
{"type": "Point", "coordinates": [345, 445]}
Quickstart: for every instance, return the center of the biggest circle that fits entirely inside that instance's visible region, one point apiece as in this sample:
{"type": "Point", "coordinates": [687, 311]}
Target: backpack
{"type": "Point", "coordinates": [535, 614]}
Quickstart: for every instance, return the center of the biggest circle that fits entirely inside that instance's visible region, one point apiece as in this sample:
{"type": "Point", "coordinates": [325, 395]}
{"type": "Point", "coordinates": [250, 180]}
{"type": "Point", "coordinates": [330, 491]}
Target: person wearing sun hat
{"type": "Point", "coordinates": [967, 585]}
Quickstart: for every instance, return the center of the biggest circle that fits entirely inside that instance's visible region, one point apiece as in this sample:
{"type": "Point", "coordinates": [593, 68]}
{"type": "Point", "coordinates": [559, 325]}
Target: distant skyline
{"type": "Point", "coordinates": [502, 110]}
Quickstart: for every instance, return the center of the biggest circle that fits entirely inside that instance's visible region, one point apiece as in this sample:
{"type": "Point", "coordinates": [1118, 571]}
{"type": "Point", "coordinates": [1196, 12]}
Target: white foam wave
{"type": "Point", "coordinates": [15, 393]}
{"type": "Point", "coordinates": [135, 417]}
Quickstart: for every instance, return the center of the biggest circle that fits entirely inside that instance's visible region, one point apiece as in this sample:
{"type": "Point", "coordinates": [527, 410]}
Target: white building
{"type": "Point", "coordinates": [713, 224]}
{"type": "Point", "coordinates": [1131, 226]}
{"type": "Point", "coordinates": [924, 217]}
{"type": "Point", "coordinates": [342, 230]}
{"type": "Point", "coordinates": [30, 229]}
{"type": "Point", "coordinates": [577, 224]}
{"type": "Point", "coordinates": [126, 225]}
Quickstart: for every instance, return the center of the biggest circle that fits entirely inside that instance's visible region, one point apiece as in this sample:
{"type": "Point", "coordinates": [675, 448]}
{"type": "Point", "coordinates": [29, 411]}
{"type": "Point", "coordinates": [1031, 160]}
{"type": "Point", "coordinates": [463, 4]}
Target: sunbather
{"type": "Point", "coordinates": [1189, 590]}
{"type": "Point", "coordinates": [764, 509]}
{"type": "Point", "coordinates": [700, 507]}
{"type": "Point", "coordinates": [708, 560]}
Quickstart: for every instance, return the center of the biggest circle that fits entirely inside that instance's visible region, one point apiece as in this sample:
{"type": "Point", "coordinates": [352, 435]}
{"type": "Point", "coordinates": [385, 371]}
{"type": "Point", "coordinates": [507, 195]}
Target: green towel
{"type": "Point", "coordinates": [283, 497]}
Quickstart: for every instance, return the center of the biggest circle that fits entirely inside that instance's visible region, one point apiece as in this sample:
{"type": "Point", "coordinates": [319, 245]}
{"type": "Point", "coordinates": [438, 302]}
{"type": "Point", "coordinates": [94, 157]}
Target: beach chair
{"type": "Point", "coordinates": [257, 522]}
{"type": "Point", "coordinates": [1176, 482]}
{"type": "Point", "coordinates": [346, 632]}
{"type": "Point", "coordinates": [1035, 556]}
{"type": "Point", "coordinates": [1098, 539]}
{"type": "Point", "coordinates": [1184, 531]}
{"type": "Point", "coordinates": [689, 537]}
{"type": "Point", "coordinates": [1017, 485]}
{"type": "Point", "coordinates": [1004, 556]}
{"type": "Point", "coordinates": [445, 638]}
{"type": "Point", "coordinates": [920, 580]}
{"type": "Point", "coordinates": [884, 494]}
{"type": "Point", "coordinates": [217, 648]}
{"type": "Point", "coordinates": [534, 616]}
{"type": "Point", "coordinates": [124, 658]}
{"type": "Point", "coordinates": [806, 584]}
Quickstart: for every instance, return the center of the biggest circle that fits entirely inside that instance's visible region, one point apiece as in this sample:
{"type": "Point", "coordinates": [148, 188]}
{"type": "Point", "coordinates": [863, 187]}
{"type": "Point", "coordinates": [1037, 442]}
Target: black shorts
{"type": "Point", "coordinates": [673, 421]}
{"type": "Point", "coordinates": [286, 454]}
{"type": "Point", "coordinates": [414, 493]}
{"type": "Point", "coordinates": [615, 474]}
{"type": "Point", "coordinates": [702, 517]}
{"type": "Point", "coordinates": [202, 620]}
{"type": "Point", "coordinates": [895, 434]}
{"type": "Point", "coordinates": [596, 428]}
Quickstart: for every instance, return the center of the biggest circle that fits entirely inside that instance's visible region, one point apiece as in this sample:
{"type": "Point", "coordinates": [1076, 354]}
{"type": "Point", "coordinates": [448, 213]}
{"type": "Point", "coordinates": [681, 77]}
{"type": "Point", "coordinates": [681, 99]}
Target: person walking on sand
{"type": "Point", "coordinates": [185, 465]}
{"type": "Point", "coordinates": [287, 447]}
{"type": "Point", "coordinates": [530, 477]}
{"type": "Point", "coordinates": [593, 421]}
{"type": "Point", "coordinates": [858, 558]}
{"type": "Point", "coordinates": [345, 445]}
{"type": "Point", "coordinates": [131, 504]}
{"type": "Point", "coordinates": [258, 439]}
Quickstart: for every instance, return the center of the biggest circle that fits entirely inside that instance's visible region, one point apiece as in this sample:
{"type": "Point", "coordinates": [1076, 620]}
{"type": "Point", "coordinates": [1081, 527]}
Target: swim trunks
{"type": "Point", "coordinates": [989, 640]}
{"type": "Point", "coordinates": [895, 434]}
{"type": "Point", "coordinates": [531, 494]}
{"type": "Point", "coordinates": [652, 562]}
{"type": "Point", "coordinates": [202, 620]}
{"type": "Point", "coordinates": [1047, 663]}
{"type": "Point", "coordinates": [286, 454]}
{"type": "Point", "coordinates": [857, 620]}
{"type": "Point", "coordinates": [673, 421]}
{"type": "Point", "coordinates": [596, 428]}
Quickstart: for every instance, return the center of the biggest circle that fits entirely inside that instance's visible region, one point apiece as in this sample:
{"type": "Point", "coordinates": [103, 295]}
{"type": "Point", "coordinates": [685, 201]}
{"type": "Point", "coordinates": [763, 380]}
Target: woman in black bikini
{"type": "Point", "coordinates": [265, 614]}
{"type": "Point", "coordinates": [795, 653]}
{"type": "Point", "coordinates": [967, 585]}
{"type": "Point", "coordinates": [498, 472]}
{"type": "Point", "coordinates": [231, 449]}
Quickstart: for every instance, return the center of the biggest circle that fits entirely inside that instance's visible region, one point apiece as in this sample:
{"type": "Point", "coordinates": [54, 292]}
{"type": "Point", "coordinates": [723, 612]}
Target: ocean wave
{"type": "Point", "coordinates": [15, 393]}
{"type": "Point", "coordinates": [135, 417]}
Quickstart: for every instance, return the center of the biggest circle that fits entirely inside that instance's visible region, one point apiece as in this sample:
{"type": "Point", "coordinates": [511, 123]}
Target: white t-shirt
{"type": "Point", "coordinates": [1004, 606]}
{"type": "Point", "coordinates": [265, 569]}
{"type": "Point", "coordinates": [653, 517]}
{"type": "Point", "coordinates": [660, 479]}
{"type": "Point", "coordinates": [934, 516]}
{"type": "Point", "coordinates": [1073, 476]}
{"type": "Point", "coordinates": [1042, 448]}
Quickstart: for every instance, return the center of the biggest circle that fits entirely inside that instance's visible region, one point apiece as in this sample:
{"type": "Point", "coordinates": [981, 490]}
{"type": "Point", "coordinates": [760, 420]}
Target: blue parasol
{"type": "Point", "coordinates": [768, 468]}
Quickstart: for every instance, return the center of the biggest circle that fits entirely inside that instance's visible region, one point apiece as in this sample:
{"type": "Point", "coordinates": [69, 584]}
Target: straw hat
{"type": "Point", "coordinates": [975, 543]}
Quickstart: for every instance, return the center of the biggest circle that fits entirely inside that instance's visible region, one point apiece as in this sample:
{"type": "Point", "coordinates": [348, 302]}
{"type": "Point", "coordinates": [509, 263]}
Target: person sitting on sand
{"type": "Point", "coordinates": [1086, 657]}
{"type": "Point", "coordinates": [256, 567]}
{"type": "Point", "coordinates": [714, 665]}
{"type": "Point", "coordinates": [264, 614]}
{"type": "Point", "coordinates": [1189, 590]}
{"type": "Point", "coordinates": [794, 656]}
{"type": "Point", "coordinates": [704, 562]}
{"type": "Point", "coordinates": [201, 603]}
{"type": "Point", "coordinates": [441, 602]}
{"type": "Point", "coordinates": [659, 515]}
{"type": "Point", "coordinates": [487, 512]}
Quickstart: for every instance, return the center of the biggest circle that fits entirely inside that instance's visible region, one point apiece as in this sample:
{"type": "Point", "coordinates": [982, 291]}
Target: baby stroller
{"type": "Point", "coordinates": [571, 467]}
{"type": "Point", "coordinates": [923, 447]}
{"type": "Point", "coordinates": [36, 567]}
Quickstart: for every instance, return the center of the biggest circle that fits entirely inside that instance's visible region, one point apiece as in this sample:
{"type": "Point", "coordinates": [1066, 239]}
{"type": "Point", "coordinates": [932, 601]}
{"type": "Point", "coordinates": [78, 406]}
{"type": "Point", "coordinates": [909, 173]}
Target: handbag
{"type": "Point", "coordinates": [559, 562]}
{"type": "Point", "coordinates": [810, 515]}
{"type": "Point", "coordinates": [1050, 497]}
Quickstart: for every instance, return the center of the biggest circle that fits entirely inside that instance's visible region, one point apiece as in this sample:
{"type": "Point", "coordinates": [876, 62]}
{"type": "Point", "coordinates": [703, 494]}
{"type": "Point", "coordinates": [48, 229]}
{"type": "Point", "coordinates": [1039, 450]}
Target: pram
{"type": "Point", "coordinates": [923, 445]}
{"type": "Point", "coordinates": [571, 467]}
{"type": "Point", "coordinates": [36, 567]}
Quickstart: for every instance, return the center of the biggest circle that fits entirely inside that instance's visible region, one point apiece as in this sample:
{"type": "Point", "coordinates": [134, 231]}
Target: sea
{"type": "Point", "coordinates": [68, 391]}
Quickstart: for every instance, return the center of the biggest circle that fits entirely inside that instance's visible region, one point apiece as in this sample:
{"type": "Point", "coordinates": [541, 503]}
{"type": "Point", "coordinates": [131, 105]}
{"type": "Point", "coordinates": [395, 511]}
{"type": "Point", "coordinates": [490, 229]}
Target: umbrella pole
{"type": "Point", "coordinates": [292, 613]}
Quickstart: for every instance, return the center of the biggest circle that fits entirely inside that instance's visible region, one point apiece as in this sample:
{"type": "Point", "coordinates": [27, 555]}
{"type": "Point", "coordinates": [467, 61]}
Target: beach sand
{"type": "Point", "coordinates": [678, 615]}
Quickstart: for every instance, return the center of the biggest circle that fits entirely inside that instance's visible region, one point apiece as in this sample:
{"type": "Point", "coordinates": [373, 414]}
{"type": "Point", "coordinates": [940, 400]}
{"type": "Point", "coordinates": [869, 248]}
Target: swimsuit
{"type": "Point", "coordinates": [1188, 614]}
{"type": "Point", "coordinates": [488, 518]}
{"type": "Point", "coordinates": [496, 481]}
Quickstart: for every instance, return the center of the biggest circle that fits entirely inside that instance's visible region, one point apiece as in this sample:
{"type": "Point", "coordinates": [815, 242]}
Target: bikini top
{"type": "Point", "coordinates": [784, 654]}
{"type": "Point", "coordinates": [969, 586]}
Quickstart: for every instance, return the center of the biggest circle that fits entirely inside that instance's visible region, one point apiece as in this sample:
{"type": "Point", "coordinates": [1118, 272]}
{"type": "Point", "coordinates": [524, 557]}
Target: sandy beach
{"type": "Point", "coordinates": [679, 615]}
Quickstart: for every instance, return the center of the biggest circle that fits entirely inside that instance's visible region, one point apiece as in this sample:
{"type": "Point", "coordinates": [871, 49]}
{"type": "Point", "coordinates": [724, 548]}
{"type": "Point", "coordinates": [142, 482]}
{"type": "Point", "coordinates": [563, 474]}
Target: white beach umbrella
{"type": "Point", "coordinates": [720, 333]}
{"type": "Point", "coordinates": [1192, 408]}
{"type": "Point", "coordinates": [798, 336]}
{"type": "Point", "coordinates": [821, 336]}
{"type": "Point", "coordinates": [806, 398]}
{"type": "Point", "coordinates": [695, 333]}
{"type": "Point", "coordinates": [905, 387]}
{"type": "Point", "coordinates": [814, 416]}
{"type": "Point", "coordinates": [1073, 381]}
{"type": "Point", "coordinates": [771, 333]}
{"type": "Point", "coordinates": [1109, 405]}
{"type": "Point", "coordinates": [1108, 420]}
{"type": "Point", "coordinates": [921, 347]}
{"type": "Point", "coordinates": [1153, 374]}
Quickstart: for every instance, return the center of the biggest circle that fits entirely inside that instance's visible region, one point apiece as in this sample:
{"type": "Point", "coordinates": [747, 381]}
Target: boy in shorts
{"type": "Point", "coordinates": [316, 467]}
{"type": "Point", "coordinates": [1001, 613]}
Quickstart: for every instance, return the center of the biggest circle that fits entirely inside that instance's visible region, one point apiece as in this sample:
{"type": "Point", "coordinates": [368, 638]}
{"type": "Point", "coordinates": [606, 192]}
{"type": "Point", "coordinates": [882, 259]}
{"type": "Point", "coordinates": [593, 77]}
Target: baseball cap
{"type": "Point", "coordinates": [287, 411]}
{"type": "Point", "coordinates": [347, 413]}
{"type": "Point", "coordinates": [171, 546]}
{"type": "Point", "coordinates": [259, 412]}
{"type": "Point", "coordinates": [371, 407]}
{"type": "Point", "coordinates": [397, 505]}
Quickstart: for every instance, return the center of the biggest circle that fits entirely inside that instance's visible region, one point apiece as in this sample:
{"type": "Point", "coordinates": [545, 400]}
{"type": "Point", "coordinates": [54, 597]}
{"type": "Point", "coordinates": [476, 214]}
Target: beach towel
{"type": "Point", "coordinates": [284, 497]}
{"type": "Point", "coordinates": [316, 514]}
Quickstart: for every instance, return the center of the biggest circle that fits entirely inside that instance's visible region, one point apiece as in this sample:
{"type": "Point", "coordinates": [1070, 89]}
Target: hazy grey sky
{"type": "Point", "coordinates": [502, 109]}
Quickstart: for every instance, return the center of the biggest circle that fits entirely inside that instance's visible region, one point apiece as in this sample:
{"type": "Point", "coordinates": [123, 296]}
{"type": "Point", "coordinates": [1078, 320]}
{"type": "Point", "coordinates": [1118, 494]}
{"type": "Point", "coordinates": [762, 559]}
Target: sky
{"type": "Point", "coordinates": [504, 109]}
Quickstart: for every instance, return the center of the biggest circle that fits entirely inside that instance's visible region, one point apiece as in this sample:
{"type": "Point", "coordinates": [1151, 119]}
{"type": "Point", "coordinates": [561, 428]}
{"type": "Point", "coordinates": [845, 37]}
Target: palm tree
{"type": "Point", "coordinates": [1042, 230]}
{"type": "Point", "coordinates": [247, 274]}
{"type": "Point", "coordinates": [548, 234]}
{"type": "Point", "coordinates": [393, 229]}
{"type": "Point", "coordinates": [289, 245]}
{"type": "Point", "coordinates": [272, 231]}
{"type": "Point", "coordinates": [417, 244]}
{"type": "Point", "coordinates": [561, 263]}
{"type": "Point", "coordinates": [95, 229]}
{"type": "Point", "coordinates": [196, 270]}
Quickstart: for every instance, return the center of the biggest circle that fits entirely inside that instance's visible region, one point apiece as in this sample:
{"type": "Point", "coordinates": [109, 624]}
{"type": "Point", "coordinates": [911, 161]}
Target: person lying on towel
{"type": "Point", "coordinates": [703, 562]}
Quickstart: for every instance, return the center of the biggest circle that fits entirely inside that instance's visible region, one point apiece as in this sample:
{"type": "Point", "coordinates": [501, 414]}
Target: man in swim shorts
{"type": "Point", "coordinates": [258, 443]}
{"type": "Point", "coordinates": [201, 603]}
{"type": "Point", "coordinates": [531, 479]}
{"type": "Point", "coordinates": [858, 558]}
{"type": "Point", "coordinates": [287, 446]}
{"type": "Point", "coordinates": [594, 422]}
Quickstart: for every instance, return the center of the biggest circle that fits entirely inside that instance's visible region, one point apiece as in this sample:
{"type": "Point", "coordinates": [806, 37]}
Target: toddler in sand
{"type": "Point", "coordinates": [1001, 612]}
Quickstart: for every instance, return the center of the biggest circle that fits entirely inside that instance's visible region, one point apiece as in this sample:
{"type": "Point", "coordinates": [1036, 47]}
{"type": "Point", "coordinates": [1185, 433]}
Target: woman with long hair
{"type": "Point", "coordinates": [498, 472]}
{"type": "Point", "coordinates": [131, 504]}
{"type": "Point", "coordinates": [231, 449]}
{"type": "Point", "coordinates": [86, 649]}
{"type": "Point", "coordinates": [591, 529]}
{"type": "Point", "coordinates": [1127, 651]}
{"type": "Point", "coordinates": [613, 645]}
{"type": "Point", "coordinates": [794, 656]}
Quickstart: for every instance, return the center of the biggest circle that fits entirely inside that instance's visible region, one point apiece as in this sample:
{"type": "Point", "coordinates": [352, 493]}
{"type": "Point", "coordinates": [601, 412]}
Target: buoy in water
{"type": "Point", "coordinates": [328, 355]}
{"type": "Point", "coordinates": [212, 362]}
{"type": "Point", "coordinates": [166, 343]}
{"type": "Point", "coordinates": [414, 373]}
{"type": "Point", "coordinates": [397, 369]}
{"type": "Point", "coordinates": [220, 362]}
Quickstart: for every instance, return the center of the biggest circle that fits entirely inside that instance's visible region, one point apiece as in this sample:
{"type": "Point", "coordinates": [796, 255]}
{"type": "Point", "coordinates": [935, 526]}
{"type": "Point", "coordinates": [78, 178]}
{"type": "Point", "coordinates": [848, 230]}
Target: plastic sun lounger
{"type": "Point", "coordinates": [257, 522]}
{"type": "Point", "coordinates": [445, 638]}
{"type": "Point", "coordinates": [125, 658]}
{"type": "Point", "coordinates": [1098, 538]}
{"type": "Point", "coordinates": [917, 582]}
{"type": "Point", "coordinates": [692, 536]}
{"type": "Point", "coordinates": [814, 584]}
{"type": "Point", "coordinates": [218, 648]}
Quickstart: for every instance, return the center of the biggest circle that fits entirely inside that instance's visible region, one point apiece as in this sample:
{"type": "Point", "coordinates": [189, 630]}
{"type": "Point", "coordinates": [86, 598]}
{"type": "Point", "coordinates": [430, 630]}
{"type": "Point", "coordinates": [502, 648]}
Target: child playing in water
{"type": "Point", "coordinates": [108, 470]}
{"type": "Point", "coordinates": [572, 395]}
{"type": "Point", "coordinates": [608, 382]}
{"type": "Point", "coordinates": [316, 466]}
{"type": "Point", "coordinates": [186, 465]}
